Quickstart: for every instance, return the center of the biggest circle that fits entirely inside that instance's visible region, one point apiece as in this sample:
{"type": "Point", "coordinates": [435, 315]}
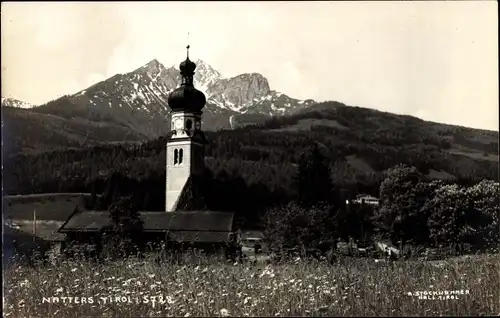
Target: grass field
{"type": "Point", "coordinates": [354, 287]}
{"type": "Point", "coordinates": [48, 206]}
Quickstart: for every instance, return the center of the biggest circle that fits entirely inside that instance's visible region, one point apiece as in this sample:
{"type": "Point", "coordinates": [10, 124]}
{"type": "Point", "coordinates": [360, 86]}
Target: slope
{"type": "Point", "coordinates": [27, 131]}
{"type": "Point", "coordinates": [360, 144]}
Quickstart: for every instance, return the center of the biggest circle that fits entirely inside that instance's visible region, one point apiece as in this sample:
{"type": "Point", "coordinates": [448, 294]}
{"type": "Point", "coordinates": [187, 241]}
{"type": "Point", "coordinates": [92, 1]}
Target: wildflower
{"type": "Point", "coordinates": [170, 300]}
{"type": "Point", "coordinates": [224, 312]}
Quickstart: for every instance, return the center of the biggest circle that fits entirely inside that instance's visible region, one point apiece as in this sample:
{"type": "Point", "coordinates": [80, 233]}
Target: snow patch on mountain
{"type": "Point", "coordinates": [153, 82]}
{"type": "Point", "coordinates": [139, 98]}
{"type": "Point", "coordinates": [12, 102]}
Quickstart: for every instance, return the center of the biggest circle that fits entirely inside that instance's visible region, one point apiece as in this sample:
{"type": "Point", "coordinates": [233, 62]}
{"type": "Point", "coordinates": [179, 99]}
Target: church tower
{"type": "Point", "coordinates": [186, 144]}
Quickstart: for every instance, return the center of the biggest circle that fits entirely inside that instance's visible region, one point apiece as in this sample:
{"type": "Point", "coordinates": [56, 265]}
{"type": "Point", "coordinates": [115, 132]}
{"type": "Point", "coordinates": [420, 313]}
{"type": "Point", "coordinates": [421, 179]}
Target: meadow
{"type": "Point", "coordinates": [351, 287]}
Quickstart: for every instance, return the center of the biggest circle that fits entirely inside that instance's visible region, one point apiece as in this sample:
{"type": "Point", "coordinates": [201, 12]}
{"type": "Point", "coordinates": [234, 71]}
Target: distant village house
{"type": "Point", "coordinates": [366, 199]}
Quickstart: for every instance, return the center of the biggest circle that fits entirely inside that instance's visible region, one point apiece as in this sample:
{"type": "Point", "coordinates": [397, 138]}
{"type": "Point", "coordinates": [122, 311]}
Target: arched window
{"type": "Point", "coordinates": [180, 155]}
{"type": "Point", "coordinates": [176, 156]}
{"type": "Point", "coordinates": [189, 124]}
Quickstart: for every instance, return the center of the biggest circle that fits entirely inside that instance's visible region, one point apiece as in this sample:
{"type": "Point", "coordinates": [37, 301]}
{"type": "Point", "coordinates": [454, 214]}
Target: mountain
{"type": "Point", "coordinates": [11, 102]}
{"type": "Point", "coordinates": [132, 107]}
{"type": "Point", "coordinates": [138, 100]}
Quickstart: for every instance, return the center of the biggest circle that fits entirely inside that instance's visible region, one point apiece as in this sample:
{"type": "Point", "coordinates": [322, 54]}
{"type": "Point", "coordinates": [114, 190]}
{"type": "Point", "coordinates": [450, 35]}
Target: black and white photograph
{"type": "Point", "coordinates": [250, 158]}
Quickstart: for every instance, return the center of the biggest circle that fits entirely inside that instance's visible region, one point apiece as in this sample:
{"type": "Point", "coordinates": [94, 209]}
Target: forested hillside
{"type": "Point", "coordinates": [25, 130]}
{"type": "Point", "coordinates": [359, 144]}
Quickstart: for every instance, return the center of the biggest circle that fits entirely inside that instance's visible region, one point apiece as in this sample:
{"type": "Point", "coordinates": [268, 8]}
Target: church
{"type": "Point", "coordinates": [185, 165]}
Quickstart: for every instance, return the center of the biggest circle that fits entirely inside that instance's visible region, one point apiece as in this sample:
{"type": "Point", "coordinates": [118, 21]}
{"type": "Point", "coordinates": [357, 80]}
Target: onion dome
{"type": "Point", "coordinates": [186, 97]}
{"type": "Point", "coordinates": [187, 67]}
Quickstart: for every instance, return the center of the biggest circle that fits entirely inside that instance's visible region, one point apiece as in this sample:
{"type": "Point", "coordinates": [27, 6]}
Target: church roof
{"type": "Point", "coordinates": [199, 236]}
{"type": "Point", "coordinates": [186, 97]}
{"type": "Point", "coordinates": [155, 221]}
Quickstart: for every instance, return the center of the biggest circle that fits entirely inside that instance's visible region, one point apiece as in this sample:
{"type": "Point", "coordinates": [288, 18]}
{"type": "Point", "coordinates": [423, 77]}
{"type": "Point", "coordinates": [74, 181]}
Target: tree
{"type": "Point", "coordinates": [125, 226]}
{"type": "Point", "coordinates": [293, 226]}
{"type": "Point", "coordinates": [124, 215]}
{"type": "Point", "coordinates": [313, 180]}
{"type": "Point", "coordinates": [447, 222]}
{"type": "Point", "coordinates": [403, 195]}
{"type": "Point", "coordinates": [464, 214]}
{"type": "Point", "coordinates": [486, 204]}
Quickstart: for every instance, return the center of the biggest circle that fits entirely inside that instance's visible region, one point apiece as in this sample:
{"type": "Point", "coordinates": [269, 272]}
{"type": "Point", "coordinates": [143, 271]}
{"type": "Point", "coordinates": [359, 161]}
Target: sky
{"type": "Point", "coordinates": [434, 60]}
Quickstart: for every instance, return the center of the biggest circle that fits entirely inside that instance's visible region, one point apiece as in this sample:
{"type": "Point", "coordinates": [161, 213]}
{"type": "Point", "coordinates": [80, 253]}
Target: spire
{"type": "Point", "coordinates": [186, 97]}
{"type": "Point", "coordinates": [187, 68]}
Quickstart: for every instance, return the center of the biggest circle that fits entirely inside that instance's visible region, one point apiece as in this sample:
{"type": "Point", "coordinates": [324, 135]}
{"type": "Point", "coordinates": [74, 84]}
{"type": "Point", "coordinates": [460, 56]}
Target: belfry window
{"type": "Point", "coordinates": [176, 156]}
{"type": "Point", "coordinates": [180, 156]}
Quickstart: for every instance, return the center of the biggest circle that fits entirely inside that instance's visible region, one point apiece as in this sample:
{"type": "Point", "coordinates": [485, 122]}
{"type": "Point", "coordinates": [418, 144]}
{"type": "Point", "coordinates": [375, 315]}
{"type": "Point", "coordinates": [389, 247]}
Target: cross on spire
{"type": "Point", "coordinates": [188, 46]}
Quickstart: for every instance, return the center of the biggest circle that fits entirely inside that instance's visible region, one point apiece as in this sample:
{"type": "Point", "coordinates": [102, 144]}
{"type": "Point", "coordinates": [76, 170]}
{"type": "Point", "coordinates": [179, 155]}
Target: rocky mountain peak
{"type": "Point", "coordinates": [152, 68]}
{"type": "Point", "coordinates": [256, 79]}
{"type": "Point", "coordinates": [204, 69]}
{"type": "Point", "coordinates": [140, 98]}
{"type": "Point", "coordinates": [204, 76]}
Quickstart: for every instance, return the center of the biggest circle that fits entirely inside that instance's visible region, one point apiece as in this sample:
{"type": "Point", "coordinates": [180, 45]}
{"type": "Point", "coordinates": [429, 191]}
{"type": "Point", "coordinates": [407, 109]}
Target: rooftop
{"type": "Point", "coordinates": [155, 221]}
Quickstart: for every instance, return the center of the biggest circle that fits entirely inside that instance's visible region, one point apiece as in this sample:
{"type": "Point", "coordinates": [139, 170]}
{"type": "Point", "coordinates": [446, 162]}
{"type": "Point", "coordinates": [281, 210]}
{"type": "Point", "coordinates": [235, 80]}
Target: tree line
{"type": "Point", "coordinates": [414, 212]}
{"type": "Point", "coordinates": [254, 169]}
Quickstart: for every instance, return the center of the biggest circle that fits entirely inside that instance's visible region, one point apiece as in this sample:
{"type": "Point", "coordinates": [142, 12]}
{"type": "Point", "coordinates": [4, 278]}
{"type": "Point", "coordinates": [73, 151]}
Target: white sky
{"type": "Point", "coordinates": [434, 60]}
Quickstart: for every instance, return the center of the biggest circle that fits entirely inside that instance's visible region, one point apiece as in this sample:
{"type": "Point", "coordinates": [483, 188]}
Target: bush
{"type": "Point", "coordinates": [301, 229]}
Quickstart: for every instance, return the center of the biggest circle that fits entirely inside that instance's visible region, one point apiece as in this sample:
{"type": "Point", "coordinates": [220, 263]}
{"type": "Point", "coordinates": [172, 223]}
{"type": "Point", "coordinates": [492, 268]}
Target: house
{"type": "Point", "coordinates": [185, 164]}
{"type": "Point", "coordinates": [191, 229]}
{"type": "Point", "coordinates": [387, 249]}
{"type": "Point", "coordinates": [366, 199]}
